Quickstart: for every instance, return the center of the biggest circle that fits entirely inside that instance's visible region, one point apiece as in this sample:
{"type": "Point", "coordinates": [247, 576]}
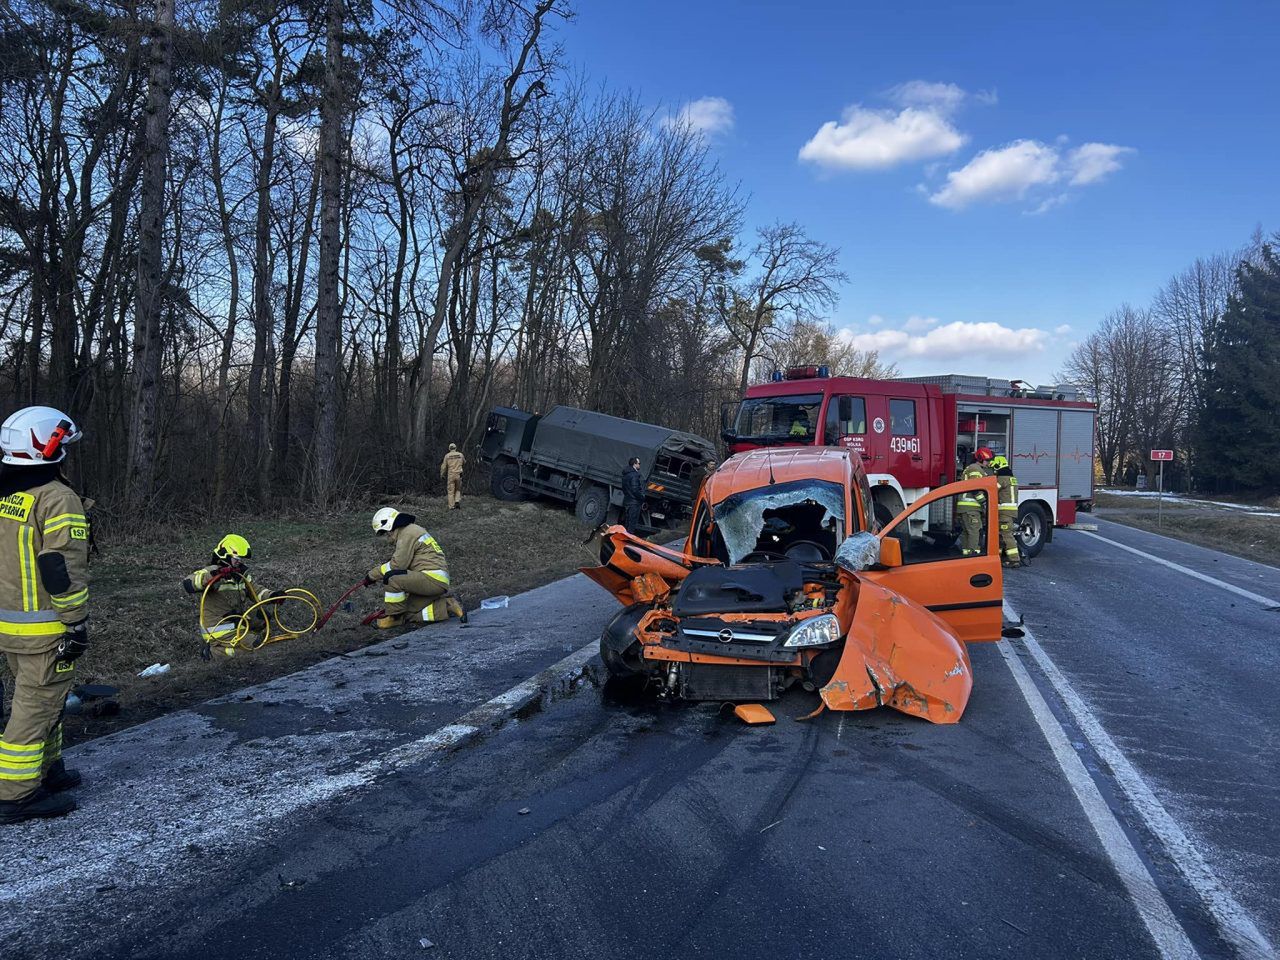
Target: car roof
{"type": "Point", "coordinates": [759, 467]}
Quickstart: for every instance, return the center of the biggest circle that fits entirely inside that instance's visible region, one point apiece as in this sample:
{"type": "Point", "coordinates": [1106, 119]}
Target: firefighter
{"type": "Point", "coordinates": [226, 591]}
{"type": "Point", "coordinates": [632, 495]}
{"type": "Point", "coordinates": [1010, 555]}
{"type": "Point", "coordinates": [971, 506]}
{"type": "Point", "coordinates": [44, 597]}
{"type": "Point", "coordinates": [416, 578]}
{"type": "Point", "coordinates": [451, 472]}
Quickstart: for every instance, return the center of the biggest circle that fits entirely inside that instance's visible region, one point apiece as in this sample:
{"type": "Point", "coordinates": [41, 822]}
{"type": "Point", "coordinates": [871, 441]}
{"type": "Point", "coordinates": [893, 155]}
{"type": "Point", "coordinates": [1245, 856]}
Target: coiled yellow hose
{"type": "Point", "coordinates": [270, 623]}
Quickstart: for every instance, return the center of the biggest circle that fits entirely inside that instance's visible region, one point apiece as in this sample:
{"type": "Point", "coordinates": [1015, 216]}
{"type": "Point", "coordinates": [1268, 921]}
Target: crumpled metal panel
{"type": "Point", "coordinates": [897, 655]}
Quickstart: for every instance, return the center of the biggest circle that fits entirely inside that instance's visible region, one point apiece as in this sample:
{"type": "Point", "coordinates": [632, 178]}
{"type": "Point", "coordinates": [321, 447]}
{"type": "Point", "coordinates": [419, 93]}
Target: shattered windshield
{"type": "Point", "coordinates": [802, 520]}
{"type": "Point", "coordinates": [779, 418]}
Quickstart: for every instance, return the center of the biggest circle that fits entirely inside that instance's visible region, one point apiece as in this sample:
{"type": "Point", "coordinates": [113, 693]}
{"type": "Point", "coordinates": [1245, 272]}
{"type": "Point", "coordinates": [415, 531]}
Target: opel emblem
{"type": "Point", "coordinates": [726, 635]}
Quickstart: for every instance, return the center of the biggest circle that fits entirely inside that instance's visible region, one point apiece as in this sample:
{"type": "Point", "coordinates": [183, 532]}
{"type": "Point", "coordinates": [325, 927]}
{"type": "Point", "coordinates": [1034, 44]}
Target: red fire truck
{"type": "Point", "coordinates": [917, 433]}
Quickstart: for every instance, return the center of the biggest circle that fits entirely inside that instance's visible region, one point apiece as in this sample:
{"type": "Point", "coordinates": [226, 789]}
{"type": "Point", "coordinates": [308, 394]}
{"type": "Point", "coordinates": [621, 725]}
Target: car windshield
{"type": "Point", "coordinates": [779, 418]}
{"type": "Point", "coordinates": [803, 520]}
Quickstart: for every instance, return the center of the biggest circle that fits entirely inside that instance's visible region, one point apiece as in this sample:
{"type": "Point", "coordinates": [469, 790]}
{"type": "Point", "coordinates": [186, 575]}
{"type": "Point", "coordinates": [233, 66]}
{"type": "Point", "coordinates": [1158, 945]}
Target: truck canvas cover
{"type": "Point", "coordinates": [569, 435]}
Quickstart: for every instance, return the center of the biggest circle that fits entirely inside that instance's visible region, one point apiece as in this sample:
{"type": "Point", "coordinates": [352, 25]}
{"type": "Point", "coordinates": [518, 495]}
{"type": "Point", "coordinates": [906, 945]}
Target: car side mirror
{"type": "Point", "coordinates": [890, 552]}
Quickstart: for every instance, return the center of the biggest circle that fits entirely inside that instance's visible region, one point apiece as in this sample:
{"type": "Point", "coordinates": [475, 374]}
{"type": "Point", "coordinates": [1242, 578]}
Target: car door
{"type": "Point", "coordinates": [964, 589]}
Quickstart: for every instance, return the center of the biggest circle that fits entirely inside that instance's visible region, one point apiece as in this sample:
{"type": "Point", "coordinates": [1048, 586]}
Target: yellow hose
{"type": "Point", "coordinates": [274, 628]}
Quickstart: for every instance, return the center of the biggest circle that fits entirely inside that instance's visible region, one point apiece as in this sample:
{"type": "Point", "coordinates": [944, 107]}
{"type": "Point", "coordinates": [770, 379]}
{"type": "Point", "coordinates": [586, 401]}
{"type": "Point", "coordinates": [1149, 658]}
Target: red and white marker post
{"type": "Point", "coordinates": [1161, 456]}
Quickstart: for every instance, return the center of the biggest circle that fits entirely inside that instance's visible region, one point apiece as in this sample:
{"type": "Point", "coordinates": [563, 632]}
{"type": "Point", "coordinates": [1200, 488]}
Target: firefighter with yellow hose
{"type": "Point", "coordinates": [44, 609]}
{"type": "Point", "coordinates": [1007, 494]}
{"type": "Point", "coordinates": [415, 581]}
{"type": "Point", "coordinates": [227, 591]}
{"type": "Point", "coordinates": [971, 505]}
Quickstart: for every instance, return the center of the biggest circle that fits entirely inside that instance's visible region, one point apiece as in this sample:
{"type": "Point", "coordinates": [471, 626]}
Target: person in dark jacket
{"type": "Point", "coordinates": [632, 495]}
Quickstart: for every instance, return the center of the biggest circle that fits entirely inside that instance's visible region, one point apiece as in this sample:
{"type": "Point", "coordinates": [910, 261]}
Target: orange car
{"type": "Point", "coordinates": [785, 579]}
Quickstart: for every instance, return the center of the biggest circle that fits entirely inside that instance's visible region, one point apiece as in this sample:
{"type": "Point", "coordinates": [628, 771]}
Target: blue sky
{"type": "Point", "coordinates": [997, 176]}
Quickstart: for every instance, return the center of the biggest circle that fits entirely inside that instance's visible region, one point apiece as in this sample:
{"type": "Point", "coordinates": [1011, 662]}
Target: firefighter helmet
{"type": "Point", "coordinates": [233, 547]}
{"type": "Point", "coordinates": [36, 435]}
{"type": "Point", "coordinates": [385, 519]}
{"type": "Point", "coordinates": [983, 454]}
{"type": "Point", "coordinates": [998, 462]}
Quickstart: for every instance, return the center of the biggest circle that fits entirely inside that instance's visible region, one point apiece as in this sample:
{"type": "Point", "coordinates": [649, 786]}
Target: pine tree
{"type": "Point", "coordinates": [1239, 429]}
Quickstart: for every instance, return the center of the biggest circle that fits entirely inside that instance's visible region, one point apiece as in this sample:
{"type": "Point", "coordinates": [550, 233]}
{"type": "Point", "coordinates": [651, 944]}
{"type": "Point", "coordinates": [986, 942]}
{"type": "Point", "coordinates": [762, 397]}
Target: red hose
{"type": "Point", "coordinates": [334, 609]}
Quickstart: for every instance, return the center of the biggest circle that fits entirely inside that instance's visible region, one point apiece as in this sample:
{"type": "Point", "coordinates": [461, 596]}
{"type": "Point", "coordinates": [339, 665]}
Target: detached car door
{"type": "Point", "coordinates": [948, 569]}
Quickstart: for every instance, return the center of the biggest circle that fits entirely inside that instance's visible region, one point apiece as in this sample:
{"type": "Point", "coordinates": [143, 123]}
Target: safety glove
{"type": "Point", "coordinates": [74, 642]}
{"type": "Point", "coordinates": [368, 581]}
{"type": "Point", "coordinates": [189, 585]}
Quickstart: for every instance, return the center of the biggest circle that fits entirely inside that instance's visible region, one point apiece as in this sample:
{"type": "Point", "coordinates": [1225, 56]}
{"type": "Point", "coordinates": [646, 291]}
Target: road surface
{"type": "Point", "coordinates": [1110, 792]}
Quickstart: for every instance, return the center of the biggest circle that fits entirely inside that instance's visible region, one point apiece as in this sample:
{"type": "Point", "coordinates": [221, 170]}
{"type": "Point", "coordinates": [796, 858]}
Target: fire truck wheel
{"type": "Point", "coordinates": [1033, 529]}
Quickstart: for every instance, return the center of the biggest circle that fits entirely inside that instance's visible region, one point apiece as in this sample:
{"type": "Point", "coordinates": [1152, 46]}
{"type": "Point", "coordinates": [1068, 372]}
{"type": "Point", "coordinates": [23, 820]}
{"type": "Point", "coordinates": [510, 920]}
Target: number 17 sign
{"type": "Point", "coordinates": [1161, 454]}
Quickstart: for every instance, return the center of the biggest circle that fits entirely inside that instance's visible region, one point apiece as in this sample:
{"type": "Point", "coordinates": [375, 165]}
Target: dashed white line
{"type": "Point", "coordinates": [1170, 939]}
{"type": "Point", "coordinates": [1205, 578]}
{"type": "Point", "coordinates": [1232, 920]}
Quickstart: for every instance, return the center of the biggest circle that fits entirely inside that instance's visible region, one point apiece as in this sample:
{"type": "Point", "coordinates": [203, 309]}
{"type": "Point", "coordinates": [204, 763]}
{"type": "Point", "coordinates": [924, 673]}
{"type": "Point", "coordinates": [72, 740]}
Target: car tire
{"type": "Point", "coordinates": [618, 664]}
{"type": "Point", "coordinates": [592, 507]}
{"type": "Point", "coordinates": [504, 482]}
{"type": "Point", "coordinates": [1033, 529]}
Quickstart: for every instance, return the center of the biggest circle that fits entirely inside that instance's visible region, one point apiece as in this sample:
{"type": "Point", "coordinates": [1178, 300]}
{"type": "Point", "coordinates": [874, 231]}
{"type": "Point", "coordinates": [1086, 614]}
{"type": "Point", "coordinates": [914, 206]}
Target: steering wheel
{"type": "Point", "coordinates": [763, 556]}
{"type": "Point", "coordinates": [806, 551]}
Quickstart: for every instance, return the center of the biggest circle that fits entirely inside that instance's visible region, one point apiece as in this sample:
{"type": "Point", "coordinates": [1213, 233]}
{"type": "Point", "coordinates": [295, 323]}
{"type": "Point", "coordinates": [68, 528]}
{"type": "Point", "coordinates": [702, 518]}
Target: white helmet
{"type": "Point", "coordinates": [36, 435]}
{"type": "Point", "coordinates": [385, 519]}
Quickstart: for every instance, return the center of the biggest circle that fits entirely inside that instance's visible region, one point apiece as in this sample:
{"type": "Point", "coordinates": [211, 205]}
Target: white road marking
{"type": "Point", "coordinates": [1233, 921]}
{"type": "Point", "coordinates": [1170, 939]}
{"type": "Point", "coordinates": [1230, 587]}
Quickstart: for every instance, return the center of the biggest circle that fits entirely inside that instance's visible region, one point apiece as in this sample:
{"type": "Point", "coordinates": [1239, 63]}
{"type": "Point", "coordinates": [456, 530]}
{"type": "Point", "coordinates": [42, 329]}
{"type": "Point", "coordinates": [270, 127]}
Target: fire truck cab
{"type": "Point", "coordinates": [918, 433]}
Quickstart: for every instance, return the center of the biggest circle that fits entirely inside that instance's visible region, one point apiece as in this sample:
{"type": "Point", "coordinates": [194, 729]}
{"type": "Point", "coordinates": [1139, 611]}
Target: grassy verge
{"type": "Point", "coordinates": [140, 615]}
{"type": "Point", "coordinates": [1221, 528]}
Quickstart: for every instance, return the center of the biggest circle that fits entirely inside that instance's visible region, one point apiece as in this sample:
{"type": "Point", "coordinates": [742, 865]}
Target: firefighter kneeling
{"type": "Point", "coordinates": [416, 578]}
{"type": "Point", "coordinates": [227, 592]}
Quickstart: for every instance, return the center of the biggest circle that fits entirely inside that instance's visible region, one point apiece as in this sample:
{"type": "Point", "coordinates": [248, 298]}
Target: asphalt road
{"type": "Point", "coordinates": [346, 812]}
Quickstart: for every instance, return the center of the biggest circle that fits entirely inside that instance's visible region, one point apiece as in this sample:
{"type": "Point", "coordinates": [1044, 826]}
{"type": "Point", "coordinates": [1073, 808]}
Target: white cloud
{"type": "Point", "coordinates": [708, 116]}
{"type": "Point", "coordinates": [1062, 329]}
{"type": "Point", "coordinates": [1001, 173]}
{"type": "Point", "coordinates": [917, 324]}
{"type": "Point", "coordinates": [950, 340]}
{"type": "Point", "coordinates": [876, 139]}
{"type": "Point", "coordinates": [1011, 172]}
{"type": "Point", "coordinates": [944, 97]}
{"type": "Point", "coordinates": [1092, 162]}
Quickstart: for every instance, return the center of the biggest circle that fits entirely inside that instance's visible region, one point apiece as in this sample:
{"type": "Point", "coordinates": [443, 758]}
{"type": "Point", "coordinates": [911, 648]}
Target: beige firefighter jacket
{"type": "Point", "coordinates": [415, 550]}
{"type": "Point", "coordinates": [974, 499]}
{"type": "Point", "coordinates": [452, 464]}
{"type": "Point", "coordinates": [1008, 492]}
{"type": "Point", "coordinates": [44, 566]}
{"type": "Point", "coordinates": [228, 598]}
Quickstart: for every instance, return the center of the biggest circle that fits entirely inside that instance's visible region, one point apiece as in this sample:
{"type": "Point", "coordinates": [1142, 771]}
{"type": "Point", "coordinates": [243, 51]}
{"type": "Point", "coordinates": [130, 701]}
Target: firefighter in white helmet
{"type": "Point", "coordinates": [416, 578]}
{"type": "Point", "coordinates": [44, 608]}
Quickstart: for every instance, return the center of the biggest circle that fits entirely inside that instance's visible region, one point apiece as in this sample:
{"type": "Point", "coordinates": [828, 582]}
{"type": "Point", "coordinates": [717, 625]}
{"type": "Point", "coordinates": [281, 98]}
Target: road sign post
{"type": "Point", "coordinates": [1161, 456]}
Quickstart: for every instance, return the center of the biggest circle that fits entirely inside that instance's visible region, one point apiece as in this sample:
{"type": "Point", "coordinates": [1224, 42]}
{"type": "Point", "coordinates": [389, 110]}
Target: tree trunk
{"type": "Point", "coordinates": [328, 308]}
{"type": "Point", "coordinates": [148, 346]}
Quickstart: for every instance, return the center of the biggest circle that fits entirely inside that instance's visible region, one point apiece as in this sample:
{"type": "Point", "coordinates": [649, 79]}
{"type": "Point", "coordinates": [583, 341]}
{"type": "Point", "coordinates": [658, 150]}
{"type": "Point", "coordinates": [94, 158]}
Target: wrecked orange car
{"type": "Point", "coordinates": [785, 578]}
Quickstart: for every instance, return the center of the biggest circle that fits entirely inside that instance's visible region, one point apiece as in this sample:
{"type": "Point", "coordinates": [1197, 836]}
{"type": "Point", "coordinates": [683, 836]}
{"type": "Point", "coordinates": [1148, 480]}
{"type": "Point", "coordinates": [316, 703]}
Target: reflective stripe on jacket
{"type": "Point", "coordinates": [973, 499]}
{"type": "Point", "coordinates": [44, 566]}
{"type": "Point", "coordinates": [414, 550]}
{"type": "Point", "coordinates": [1008, 491]}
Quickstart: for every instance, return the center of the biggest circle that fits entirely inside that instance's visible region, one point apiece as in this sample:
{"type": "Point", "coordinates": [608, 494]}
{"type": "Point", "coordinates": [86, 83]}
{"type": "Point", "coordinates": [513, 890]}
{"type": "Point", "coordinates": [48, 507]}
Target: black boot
{"type": "Point", "coordinates": [59, 778]}
{"type": "Point", "coordinates": [38, 805]}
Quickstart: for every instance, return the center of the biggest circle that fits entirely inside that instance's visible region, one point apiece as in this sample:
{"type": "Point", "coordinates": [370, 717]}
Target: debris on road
{"type": "Point", "coordinates": [155, 670]}
{"type": "Point", "coordinates": [754, 714]}
{"type": "Point", "coordinates": [494, 603]}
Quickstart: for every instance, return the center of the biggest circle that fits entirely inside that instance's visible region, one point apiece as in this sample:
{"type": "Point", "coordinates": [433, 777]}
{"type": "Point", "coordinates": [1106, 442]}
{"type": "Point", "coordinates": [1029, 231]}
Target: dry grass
{"type": "Point", "coordinates": [1220, 528]}
{"type": "Point", "coordinates": [140, 615]}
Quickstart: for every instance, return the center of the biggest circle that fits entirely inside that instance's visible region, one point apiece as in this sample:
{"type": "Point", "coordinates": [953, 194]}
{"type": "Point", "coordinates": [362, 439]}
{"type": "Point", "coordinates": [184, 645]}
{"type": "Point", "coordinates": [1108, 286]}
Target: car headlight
{"type": "Point", "coordinates": [815, 632]}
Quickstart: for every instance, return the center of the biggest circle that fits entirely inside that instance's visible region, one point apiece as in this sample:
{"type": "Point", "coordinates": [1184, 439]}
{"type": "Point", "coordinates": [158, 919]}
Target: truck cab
{"type": "Point", "coordinates": [916, 434]}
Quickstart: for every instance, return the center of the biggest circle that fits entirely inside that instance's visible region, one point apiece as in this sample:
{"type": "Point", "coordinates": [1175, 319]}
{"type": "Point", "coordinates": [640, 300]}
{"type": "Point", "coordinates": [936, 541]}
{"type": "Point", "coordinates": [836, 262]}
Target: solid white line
{"type": "Point", "coordinates": [1170, 939]}
{"type": "Point", "coordinates": [1230, 587]}
{"type": "Point", "coordinates": [1233, 921]}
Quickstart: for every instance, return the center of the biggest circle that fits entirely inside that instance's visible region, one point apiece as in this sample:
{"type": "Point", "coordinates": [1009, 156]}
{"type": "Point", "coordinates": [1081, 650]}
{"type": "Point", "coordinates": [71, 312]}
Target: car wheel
{"type": "Point", "coordinates": [1033, 529]}
{"type": "Point", "coordinates": [593, 505]}
{"type": "Point", "coordinates": [619, 664]}
{"type": "Point", "coordinates": [504, 482]}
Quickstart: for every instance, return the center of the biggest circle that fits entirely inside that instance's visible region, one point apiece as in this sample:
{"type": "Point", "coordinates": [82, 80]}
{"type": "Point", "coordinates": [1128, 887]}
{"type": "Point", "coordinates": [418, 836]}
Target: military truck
{"type": "Point", "coordinates": [578, 456]}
